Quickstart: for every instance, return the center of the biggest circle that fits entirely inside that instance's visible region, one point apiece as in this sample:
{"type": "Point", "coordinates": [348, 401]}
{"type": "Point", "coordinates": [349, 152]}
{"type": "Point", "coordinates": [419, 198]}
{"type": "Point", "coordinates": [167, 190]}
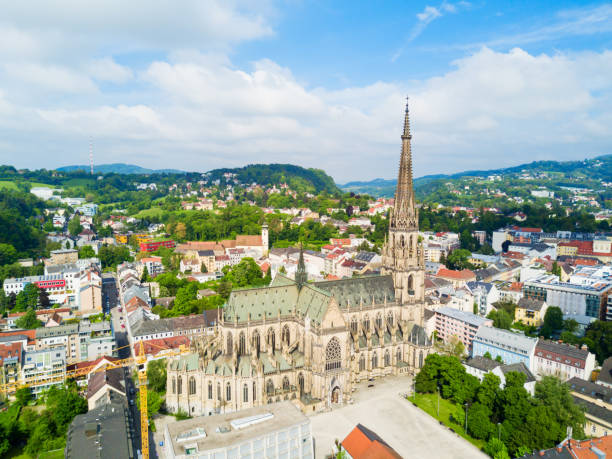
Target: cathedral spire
{"type": "Point", "coordinates": [301, 276]}
{"type": "Point", "coordinates": [404, 212]}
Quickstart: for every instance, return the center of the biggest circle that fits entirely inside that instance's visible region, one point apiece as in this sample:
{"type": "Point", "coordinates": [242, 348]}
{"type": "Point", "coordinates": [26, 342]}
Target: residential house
{"type": "Point", "coordinates": [485, 294]}
{"type": "Point", "coordinates": [596, 400]}
{"type": "Point", "coordinates": [530, 311]}
{"type": "Point", "coordinates": [563, 360]}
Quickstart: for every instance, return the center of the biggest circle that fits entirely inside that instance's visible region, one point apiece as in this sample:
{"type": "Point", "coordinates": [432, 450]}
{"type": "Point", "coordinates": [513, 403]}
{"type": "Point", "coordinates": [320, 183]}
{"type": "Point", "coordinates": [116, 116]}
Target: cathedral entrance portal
{"type": "Point", "coordinates": [336, 395]}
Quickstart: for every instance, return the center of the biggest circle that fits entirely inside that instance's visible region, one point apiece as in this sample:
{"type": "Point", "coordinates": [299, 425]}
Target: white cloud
{"type": "Point", "coordinates": [107, 69]}
{"type": "Point", "coordinates": [512, 106]}
{"type": "Point", "coordinates": [426, 17]}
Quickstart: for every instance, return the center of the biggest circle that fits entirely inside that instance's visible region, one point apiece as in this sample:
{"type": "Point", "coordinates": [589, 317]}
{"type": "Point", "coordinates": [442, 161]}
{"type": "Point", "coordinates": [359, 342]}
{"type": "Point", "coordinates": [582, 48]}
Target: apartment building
{"type": "Point", "coordinates": [44, 368]}
{"type": "Point", "coordinates": [563, 360]}
{"type": "Point", "coordinates": [511, 347]}
{"type": "Point", "coordinates": [584, 300]}
{"type": "Point", "coordinates": [464, 325]}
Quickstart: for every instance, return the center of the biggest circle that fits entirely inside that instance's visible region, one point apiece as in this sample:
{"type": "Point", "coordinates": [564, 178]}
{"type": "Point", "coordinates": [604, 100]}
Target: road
{"type": "Point", "coordinates": [112, 304]}
{"type": "Point", "coordinates": [407, 429]}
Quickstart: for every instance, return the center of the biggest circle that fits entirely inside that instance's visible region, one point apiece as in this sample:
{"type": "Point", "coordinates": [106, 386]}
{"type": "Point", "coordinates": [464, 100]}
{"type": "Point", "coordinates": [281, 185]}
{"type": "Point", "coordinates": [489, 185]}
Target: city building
{"type": "Point", "coordinates": [605, 375]}
{"type": "Point", "coordinates": [153, 264]}
{"type": "Point", "coordinates": [44, 368]}
{"type": "Point", "coordinates": [563, 360]}
{"type": "Point", "coordinates": [152, 246]}
{"type": "Point", "coordinates": [574, 299]}
{"type": "Point", "coordinates": [511, 347]}
{"type": "Point", "coordinates": [191, 326]}
{"type": "Point", "coordinates": [274, 430]}
{"type": "Point", "coordinates": [80, 341]}
{"type": "Point", "coordinates": [596, 400]}
{"type": "Point", "coordinates": [104, 432]}
{"type": "Point", "coordinates": [530, 311]}
{"type": "Point", "coordinates": [62, 256]}
{"type": "Point", "coordinates": [464, 325]}
{"type": "Point", "coordinates": [362, 443]}
{"type": "Point", "coordinates": [311, 342]}
{"type": "Point", "coordinates": [479, 366]}
{"type": "Point", "coordinates": [595, 448]}
{"type": "Point", "coordinates": [485, 294]}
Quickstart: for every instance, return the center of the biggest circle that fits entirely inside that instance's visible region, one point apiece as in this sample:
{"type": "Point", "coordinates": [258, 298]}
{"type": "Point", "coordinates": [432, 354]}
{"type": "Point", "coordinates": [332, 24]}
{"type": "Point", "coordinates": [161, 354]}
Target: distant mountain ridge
{"type": "Point", "coordinates": [119, 168]}
{"type": "Point", "coordinates": [596, 168]}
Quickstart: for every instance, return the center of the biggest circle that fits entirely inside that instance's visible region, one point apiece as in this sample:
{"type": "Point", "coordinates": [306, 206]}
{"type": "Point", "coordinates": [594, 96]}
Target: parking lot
{"type": "Point", "coordinates": [407, 429]}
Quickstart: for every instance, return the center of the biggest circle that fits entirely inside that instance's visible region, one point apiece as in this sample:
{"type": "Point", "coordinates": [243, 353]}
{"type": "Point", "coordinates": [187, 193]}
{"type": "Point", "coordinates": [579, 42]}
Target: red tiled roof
{"type": "Point", "coordinates": [464, 274]}
{"type": "Point", "coordinates": [10, 350]}
{"type": "Point", "coordinates": [154, 346]}
{"type": "Point", "coordinates": [527, 230]}
{"type": "Point", "coordinates": [584, 449]}
{"type": "Point", "coordinates": [362, 443]}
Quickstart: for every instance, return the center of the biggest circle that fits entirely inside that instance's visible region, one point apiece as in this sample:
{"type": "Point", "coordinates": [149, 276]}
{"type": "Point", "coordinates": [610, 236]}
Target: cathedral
{"type": "Point", "coordinates": [310, 342]}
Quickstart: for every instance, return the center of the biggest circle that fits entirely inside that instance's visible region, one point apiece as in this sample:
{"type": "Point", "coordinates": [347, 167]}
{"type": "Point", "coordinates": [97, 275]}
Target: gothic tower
{"type": "Point", "coordinates": [402, 252]}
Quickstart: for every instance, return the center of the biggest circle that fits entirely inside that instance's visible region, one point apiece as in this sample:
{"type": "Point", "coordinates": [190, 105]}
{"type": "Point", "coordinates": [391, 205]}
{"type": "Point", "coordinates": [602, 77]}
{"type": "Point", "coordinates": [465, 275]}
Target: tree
{"type": "Point", "coordinates": [498, 358]}
{"type": "Point", "coordinates": [555, 395]}
{"type": "Point", "coordinates": [459, 259]}
{"type": "Point", "coordinates": [556, 270]}
{"type": "Point", "coordinates": [245, 273]}
{"type": "Point", "coordinates": [27, 298]}
{"type": "Point", "coordinates": [570, 325]}
{"type": "Point", "coordinates": [501, 318]}
{"type": "Point", "coordinates": [43, 299]}
{"type": "Point", "coordinates": [479, 424]}
{"type": "Point", "coordinates": [203, 268]}
{"type": "Point", "coordinates": [86, 251]}
{"type": "Point", "coordinates": [487, 355]}
{"type": "Point", "coordinates": [145, 275]}
{"type": "Point", "coordinates": [28, 321]}
{"type": "Point", "coordinates": [74, 226]}
{"type": "Point", "coordinates": [23, 396]}
{"type": "Point", "coordinates": [598, 337]}
{"type": "Point", "coordinates": [553, 321]}
{"type": "Point", "coordinates": [8, 254]}
{"type": "Point", "coordinates": [496, 449]}
{"type": "Point", "coordinates": [156, 375]}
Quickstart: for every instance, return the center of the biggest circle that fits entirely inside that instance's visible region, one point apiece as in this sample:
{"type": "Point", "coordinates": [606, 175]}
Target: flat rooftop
{"type": "Point", "coordinates": [212, 432]}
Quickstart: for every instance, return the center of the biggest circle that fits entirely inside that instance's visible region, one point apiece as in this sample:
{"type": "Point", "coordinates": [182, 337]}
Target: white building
{"type": "Point", "coordinates": [44, 193]}
{"type": "Point", "coordinates": [275, 430]}
{"type": "Point", "coordinates": [563, 360]}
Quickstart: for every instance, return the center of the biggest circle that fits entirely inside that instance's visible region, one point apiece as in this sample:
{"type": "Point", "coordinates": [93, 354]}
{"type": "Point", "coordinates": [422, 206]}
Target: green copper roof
{"type": "Point", "coordinates": [349, 292]}
{"type": "Point", "coordinates": [187, 362]}
{"type": "Point", "coordinates": [283, 294]}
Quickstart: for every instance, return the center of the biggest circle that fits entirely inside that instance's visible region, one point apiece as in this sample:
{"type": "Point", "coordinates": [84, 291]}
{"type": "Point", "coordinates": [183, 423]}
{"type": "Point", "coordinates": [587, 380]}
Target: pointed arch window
{"type": "Point", "coordinates": [411, 284]}
{"type": "Point", "coordinates": [174, 385]}
{"type": "Point", "coordinates": [210, 390]}
{"type": "Point", "coordinates": [379, 320]}
{"type": "Point", "coordinates": [421, 359]}
{"type": "Point", "coordinates": [254, 391]}
{"type": "Point", "coordinates": [241, 344]}
{"type": "Point", "coordinates": [269, 387]}
{"type": "Point", "coordinates": [374, 360]}
{"type": "Point", "coordinates": [245, 393]}
{"type": "Point", "coordinates": [256, 341]}
{"type": "Point", "coordinates": [390, 319]}
{"type": "Point", "coordinates": [398, 356]}
{"type": "Point", "coordinates": [228, 392]}
{"type": "Point", "coordinates": [179, 384]}
{"type": "Point", "coordinates": [354, 325]}
{"type": "Point", "coordinates": [286, 336]}
{"type": "Point", "coordinates": [366, 324]}
{"type": "Point", "coordinates": [286, 383]}
{"type": "Point", "coordinates": [362, 362]}
{"type": "Point", "coordinates": [271, 340]}
{"type": "Point", "coordinates": [219, 391]}
{"type": "Point", "coordinates": [387, 359]}
{"type": "Point", "coordinates": [230, 347]}
{"type": "Point", "coordinates": [192, 386]}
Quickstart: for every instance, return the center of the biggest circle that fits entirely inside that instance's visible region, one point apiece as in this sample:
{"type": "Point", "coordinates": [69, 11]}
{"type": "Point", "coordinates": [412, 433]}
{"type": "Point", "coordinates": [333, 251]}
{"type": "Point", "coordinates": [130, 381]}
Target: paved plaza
{"type": "Point", "coordinates": [407, 429]}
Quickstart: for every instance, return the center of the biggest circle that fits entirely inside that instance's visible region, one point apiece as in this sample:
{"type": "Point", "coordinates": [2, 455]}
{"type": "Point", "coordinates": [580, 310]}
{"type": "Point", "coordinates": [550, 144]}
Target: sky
{"type": "Point", "coordinates": [202, 84]}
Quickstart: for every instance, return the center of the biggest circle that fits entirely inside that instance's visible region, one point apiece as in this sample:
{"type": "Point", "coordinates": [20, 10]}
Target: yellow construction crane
{"type": "Point", "coordinates": [139, 360]}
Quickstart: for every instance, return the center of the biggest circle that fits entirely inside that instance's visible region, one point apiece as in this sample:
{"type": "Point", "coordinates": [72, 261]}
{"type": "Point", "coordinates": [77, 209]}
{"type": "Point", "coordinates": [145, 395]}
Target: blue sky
{"type": "Point", "coordinates": [197, 84]}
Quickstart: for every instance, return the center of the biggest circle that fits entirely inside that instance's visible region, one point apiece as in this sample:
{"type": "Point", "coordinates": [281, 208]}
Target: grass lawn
{"type": "Point", "coordinates": [429, 404]}
{"type": "Point", "coordinates": [12, 185]}
{"type": "Point", "coordinates": [56, 454]}
{"type": "Point", "coordinates": [152, 212]}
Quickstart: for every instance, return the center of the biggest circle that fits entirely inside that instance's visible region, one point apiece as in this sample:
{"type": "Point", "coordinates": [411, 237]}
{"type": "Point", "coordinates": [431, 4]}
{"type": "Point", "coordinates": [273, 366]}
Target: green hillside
{"type": "Point", "coordinates": [298, 178]}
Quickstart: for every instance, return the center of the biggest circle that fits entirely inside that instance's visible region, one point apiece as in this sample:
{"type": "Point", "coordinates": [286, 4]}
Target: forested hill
{"type": "Point", "coordinates": [599, 168]}
{"type": "Point", "coordinates": [118, 168]}
{"type": "Point", "coordinates": [298, 178]}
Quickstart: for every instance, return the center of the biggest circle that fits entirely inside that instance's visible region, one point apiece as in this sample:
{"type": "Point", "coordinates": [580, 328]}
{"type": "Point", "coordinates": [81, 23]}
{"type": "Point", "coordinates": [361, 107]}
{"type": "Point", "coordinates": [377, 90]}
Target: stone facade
{"type": "Point", "coordinates": [311, 342]}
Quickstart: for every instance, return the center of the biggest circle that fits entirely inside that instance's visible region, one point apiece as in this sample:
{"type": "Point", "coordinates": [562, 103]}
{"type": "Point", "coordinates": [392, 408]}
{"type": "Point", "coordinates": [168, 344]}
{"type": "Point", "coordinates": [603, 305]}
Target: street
{"type": "Point", "coordinates": [112, 304]}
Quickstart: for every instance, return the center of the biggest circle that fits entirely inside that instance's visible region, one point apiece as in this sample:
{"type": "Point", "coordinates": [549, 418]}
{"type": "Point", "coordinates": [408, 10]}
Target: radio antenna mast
{"type": "Point", "coordinates": [91, 155]}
